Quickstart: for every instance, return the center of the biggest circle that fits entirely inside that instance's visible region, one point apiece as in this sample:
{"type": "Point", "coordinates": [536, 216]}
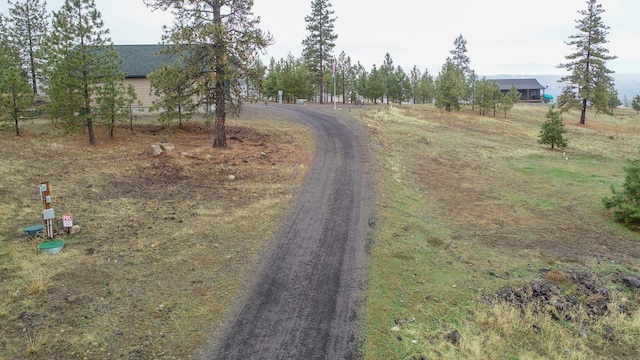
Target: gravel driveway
{"type": "Point", "coordinates": [305, 302]}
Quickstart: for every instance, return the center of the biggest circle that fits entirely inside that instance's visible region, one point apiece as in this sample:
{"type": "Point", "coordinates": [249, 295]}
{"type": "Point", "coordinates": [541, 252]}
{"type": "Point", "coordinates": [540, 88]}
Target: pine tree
{"type": "Point", "coordinates": [15, 92]}
{"type": "Point", "coordinates": [255, 80]}
{"type": "Point", "coordinates": [635, 104]}
{"type": "Point", "coordinates": [320, 41]}
{"type": "Point", "coordinates": [487, 96]}
{"type": "Point", "coordinates": [111, 97]}
{"type": "Point", "coordinates": [131, 100]}
{"type": "Point", "coordinates": [509, 99]}
{"type": "Point", "coordinates": [387, 72]}
{"type": "Point", "coordinates": [295, 80]}
{"type": "Point", "coordinates": [174, 92]}
{"type": "Point", "coordinates": [80, 59]}
{"type": "Point", "coordinates": [459, 55]}
{"type": "Point", "coordinates": [219, 39]}
{"type": "Point", "coordinates": [28, 28]}
{"type": "Point", "coordinates": [401, 88]}
{"type": "Point", "coordinates": [361, 80]}
{"type": "Point", "coordinates": [553, 130]}
{"type": "Point", "coordinates": [462, 63]}
{"type": "Point", "coordinates": [448, 89]}
{"type": "Point", "coordinates": [414, 78]}
{"type": "Point", "coordinates": [587, 64]}
{"type": "Point", "coordinates": [375, 85]}
{"type": "Point", "coordinates": [567, 99]}
{"type": "Point", "coordinates": [626, 202]}
{"type": "Point", "coordinates": [343, 75]}
{"type": "Point", "coordinates": [614, 100]}
{"type": "Point", "coordinates": [426, 89]}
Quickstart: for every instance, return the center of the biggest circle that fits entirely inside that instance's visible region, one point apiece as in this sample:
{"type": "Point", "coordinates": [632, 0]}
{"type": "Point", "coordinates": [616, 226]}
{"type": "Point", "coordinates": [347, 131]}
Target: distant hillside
{"type": "Point", "coordinates": [626, 84]}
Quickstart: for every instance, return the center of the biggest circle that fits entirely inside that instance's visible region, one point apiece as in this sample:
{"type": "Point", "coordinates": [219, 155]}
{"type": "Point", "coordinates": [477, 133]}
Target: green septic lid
{"type": "Point", "coordinates": [51, 245]}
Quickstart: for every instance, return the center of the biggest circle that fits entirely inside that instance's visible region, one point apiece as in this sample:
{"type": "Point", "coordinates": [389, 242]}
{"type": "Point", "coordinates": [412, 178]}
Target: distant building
{"type": "Point", "coordinates": [530, 89]}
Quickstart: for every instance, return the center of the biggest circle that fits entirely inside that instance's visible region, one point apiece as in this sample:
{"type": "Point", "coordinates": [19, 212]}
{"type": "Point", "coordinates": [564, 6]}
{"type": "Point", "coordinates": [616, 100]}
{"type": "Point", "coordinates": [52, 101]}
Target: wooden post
{"type": "Point", "coordinates": [45, 191]}
{"type": "Point", "coordinates": [45, 194]}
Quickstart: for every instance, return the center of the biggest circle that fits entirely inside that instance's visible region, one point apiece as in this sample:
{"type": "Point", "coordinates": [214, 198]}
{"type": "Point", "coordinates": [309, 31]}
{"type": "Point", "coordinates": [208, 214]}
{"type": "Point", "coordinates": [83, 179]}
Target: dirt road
{"type": "Point", "coordinates": [305, 302]}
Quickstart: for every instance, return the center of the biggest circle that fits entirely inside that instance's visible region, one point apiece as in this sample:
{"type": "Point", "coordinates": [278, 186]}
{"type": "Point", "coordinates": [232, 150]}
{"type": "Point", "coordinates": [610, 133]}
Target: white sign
{"type": "Point", "coordinates": [67, 220]}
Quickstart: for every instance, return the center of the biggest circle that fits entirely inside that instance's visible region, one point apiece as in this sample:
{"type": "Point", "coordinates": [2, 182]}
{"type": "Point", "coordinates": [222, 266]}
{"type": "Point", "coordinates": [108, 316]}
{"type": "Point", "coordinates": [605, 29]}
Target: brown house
{"type": "Point", "coordinates": [530, 89]}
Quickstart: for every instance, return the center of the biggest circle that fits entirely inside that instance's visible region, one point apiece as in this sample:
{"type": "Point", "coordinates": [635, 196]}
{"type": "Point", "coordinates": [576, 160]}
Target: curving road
{"type": "Point", "coordinates": [306, 300]}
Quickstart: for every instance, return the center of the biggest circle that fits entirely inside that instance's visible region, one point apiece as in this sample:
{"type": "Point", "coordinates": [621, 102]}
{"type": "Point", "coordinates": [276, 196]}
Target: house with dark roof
{"type": "Point", "coordinates": [530, 89]}
{"type": "Point", "coordinates": [138, 61]}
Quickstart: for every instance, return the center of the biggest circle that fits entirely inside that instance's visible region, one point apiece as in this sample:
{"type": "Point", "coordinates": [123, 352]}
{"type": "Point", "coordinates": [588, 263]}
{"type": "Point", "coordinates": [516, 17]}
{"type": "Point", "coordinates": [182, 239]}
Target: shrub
{"type": "Point", "coordinates": [553, 129]}
{"type": "Point", "coordinates": [626, 202]}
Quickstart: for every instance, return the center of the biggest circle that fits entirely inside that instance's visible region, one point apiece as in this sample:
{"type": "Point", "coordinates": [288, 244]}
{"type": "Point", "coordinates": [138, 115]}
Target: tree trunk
{"type": "Point", "coordinates": [219, 131]}
{"type": "Point", "coordinates": [92, 137]}
{"type": "Point", "coordinates": [583, 114]}
{"type": "Point", "coordinates": [87, 115]}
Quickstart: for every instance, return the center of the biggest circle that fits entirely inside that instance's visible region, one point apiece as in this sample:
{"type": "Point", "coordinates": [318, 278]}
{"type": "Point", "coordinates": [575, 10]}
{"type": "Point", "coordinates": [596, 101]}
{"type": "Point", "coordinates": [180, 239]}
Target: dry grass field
{"type": "Point", "coordinates": [487, 245]}
{"type": "Point", "coordinates": [166, 243]}
{"type": "Point", "coordinates": [491, 246]}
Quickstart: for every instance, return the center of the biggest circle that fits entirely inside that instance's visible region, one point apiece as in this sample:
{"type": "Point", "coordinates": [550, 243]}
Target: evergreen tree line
{"type": "Point", "coordinates": [69, 56]}
{"type": "Point", "coordinates": [66, 55]}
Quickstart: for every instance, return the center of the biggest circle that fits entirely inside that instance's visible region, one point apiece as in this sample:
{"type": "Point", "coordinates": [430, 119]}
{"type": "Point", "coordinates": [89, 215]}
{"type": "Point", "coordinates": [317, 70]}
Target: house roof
{"type": "Point", "coordinates": [138, 61]}
{"type": "Point", "coordinates": [521, 84]}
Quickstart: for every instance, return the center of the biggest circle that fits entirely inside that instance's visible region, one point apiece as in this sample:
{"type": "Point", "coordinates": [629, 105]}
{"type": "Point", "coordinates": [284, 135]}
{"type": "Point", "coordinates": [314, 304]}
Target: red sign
{"type": "Point", "coordinates": [67, 220]}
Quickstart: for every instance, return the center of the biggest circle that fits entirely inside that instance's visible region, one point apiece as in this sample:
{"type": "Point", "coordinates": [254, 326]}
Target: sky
{"type": "Point", "coordinates": [503, 36]}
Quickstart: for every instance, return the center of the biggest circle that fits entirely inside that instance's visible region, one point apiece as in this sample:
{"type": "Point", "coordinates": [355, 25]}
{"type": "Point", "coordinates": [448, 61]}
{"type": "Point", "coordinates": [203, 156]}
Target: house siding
{"type": "Point", "coordinates": [142, 86]}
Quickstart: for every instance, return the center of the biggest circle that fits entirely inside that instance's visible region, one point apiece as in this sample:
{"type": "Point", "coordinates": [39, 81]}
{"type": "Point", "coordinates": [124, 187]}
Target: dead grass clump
{"type": "Point", "coordinates": [40, 282]}
{"type": "Point", "coordinates": [558, 277]}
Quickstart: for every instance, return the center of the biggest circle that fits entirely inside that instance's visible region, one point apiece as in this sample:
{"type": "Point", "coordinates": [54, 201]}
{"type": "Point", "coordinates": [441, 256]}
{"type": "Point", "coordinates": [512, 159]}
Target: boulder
{"type": "Point", "coordinates": [167, 146]}
{"type": "Point", "coordinates": [74, 230]}
{"type": "Point", "coordinates": [157, 150]}
{"type": "Point", "coordinates": [631, 281]}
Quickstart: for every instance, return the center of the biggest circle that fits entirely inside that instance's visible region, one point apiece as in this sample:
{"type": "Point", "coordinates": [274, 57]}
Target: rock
{"type": "Point", "coordinates": [454, 337]}
{"type": "Point", "coordinates": [55, 146]}
{"type": "Point", "coordinates": [167, 146]}
{"type": "Point", "coordinates": [157, 150]}
{"type": "Point", "coordinates": [74, 230]}
{"type": "Point", "coordinates": [631, 281]}
{"type": "Point", "coordinates": [232, 177]}
{"type": "Point", "coordinates": [395, 328]}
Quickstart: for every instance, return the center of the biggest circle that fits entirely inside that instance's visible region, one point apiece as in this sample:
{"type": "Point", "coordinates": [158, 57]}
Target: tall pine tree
{"type": "Point", "coordinates": [219, 41]}
{"type": "Point", "coordinates": [448, 89]}
{"type": "Point", "coordinates": [426, 88]}
{"type": "Point", "coordinates": [320, 41]}
{"type": "Point", "coordinates": [587, 64]}
{"type": "Point", "coordinates": [80, 59]}
{"type": "Point", "coordinates": [387, 72]}
{"type": "Point", "coordinates": [28, 28]}
{"type": "Point", "coordinates": [15, 92]}
{"type": "Point", "coordinates": [462, 63]}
